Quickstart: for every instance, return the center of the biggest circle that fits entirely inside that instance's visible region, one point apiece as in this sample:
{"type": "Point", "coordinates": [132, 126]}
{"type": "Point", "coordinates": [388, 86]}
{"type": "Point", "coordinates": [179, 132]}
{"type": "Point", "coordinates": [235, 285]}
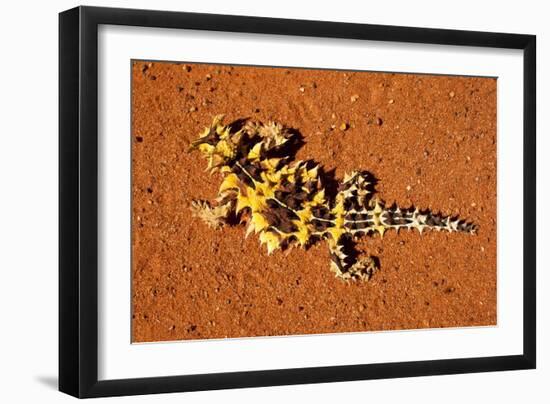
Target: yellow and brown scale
{"type": "Point", "coordinates": [285, 203]}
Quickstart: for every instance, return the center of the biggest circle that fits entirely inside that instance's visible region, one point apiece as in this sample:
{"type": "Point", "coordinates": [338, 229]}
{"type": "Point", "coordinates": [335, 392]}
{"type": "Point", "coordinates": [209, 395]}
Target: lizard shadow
{"type": "Point", "coordinates": [238, 124]}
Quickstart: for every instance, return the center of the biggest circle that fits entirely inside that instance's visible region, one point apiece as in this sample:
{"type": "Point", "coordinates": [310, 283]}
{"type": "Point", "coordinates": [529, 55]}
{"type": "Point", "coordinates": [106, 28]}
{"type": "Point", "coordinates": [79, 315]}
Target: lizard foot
{"type": "Point", "coordinates": [214, 217]}
{"type": "Point", "coordinates": [362, 269]}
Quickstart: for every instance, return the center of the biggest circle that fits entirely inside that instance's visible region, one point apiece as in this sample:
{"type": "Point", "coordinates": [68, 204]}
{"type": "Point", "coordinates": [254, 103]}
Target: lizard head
{"type": "Point", "coordinates": [218, 144]}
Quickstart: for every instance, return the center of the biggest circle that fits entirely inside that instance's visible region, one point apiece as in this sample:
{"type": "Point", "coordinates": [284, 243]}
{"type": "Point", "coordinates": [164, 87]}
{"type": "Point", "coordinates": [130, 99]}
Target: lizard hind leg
{"type": "Point", "coordinates": [356, 190]}
{"type": "Point", "coordinates": [345, 263]}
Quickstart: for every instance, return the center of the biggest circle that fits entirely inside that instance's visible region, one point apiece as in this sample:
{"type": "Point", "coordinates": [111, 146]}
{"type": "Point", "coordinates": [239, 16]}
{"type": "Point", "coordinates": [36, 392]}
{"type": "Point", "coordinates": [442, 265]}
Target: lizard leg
{"type": "Point", "coordinates": [215, 214]}
{"type": "Point", "coordinates": [344, 263]}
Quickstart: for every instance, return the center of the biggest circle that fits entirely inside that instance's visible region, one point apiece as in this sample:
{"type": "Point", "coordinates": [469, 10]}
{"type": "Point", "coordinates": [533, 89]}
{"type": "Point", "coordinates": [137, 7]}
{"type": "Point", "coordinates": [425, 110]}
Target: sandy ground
{"type": "Point", "coordinates": [429, 140]}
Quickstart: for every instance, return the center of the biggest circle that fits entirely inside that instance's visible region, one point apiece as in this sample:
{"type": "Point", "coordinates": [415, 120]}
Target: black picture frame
{"type": "Point", "coordinates": [78, 201]}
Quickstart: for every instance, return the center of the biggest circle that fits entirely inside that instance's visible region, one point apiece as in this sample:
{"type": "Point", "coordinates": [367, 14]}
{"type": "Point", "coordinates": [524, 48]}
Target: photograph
{"type": "Point", "coordinates": [271, 201]}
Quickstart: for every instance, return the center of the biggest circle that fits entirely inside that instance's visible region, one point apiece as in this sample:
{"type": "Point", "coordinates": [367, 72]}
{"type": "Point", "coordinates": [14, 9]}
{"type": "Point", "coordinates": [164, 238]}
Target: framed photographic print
{"type": "Point", "coordinates": [251, 201]}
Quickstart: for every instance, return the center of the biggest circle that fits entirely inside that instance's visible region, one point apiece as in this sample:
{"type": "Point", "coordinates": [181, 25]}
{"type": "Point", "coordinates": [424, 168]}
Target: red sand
{"type": "Point", "coordinates": [430, 141]}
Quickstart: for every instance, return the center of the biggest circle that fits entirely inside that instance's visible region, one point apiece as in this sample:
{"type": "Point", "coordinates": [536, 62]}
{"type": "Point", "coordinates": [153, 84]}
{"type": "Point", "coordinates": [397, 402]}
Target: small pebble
{"type": "Point", "coordinates": [187, 68]}
{"type": "Point", "coordinates": [208, 77]}
{"type": "Point", "coordinates": [391, 101]}
{"type": "Point", "coordinates": [452, 94]}
{"type": "Point", "coordinates": [302, 89]}
{"type": "Point", "coordinates": [379, 121]}
{"type": "Point", "coordinates": [344, 126]}
{"type": "Point", "coordinates": [354, 97]}
{"type": "Point", "coordinates": [192, 109]}
{"type": "Point", "coordinates": [408, 188]}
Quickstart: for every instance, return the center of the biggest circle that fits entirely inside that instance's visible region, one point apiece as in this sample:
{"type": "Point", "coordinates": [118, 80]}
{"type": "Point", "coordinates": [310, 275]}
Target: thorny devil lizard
{"type": "Point", "coordinates": [285, 202]}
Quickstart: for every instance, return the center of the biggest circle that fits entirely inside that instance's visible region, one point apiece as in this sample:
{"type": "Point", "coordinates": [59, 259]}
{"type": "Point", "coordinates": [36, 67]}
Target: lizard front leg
{"type": "Point", "coordinates": [346, 265]}
{"type": "Point", "coordinates": [215, 214]}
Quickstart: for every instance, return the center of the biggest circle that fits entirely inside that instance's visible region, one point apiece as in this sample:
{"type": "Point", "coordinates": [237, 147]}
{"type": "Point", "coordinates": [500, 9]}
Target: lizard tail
{"type": "Point", "coordinates": [413, 218]}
